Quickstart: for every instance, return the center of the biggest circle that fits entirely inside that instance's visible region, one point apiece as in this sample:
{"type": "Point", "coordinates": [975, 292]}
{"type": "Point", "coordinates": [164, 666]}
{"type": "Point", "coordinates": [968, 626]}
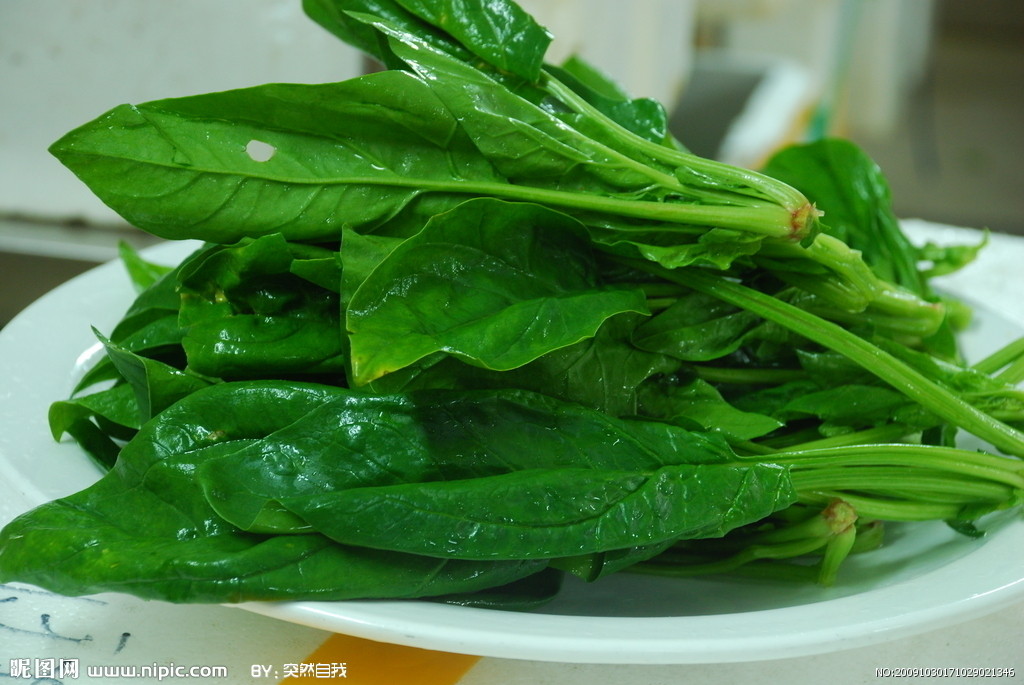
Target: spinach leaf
{"type": "Point", "coordinates": [644, 117]}
{"type": "Point", "coordinates": [698, 405]}
{"type": "Point", "coordinates": [851, 407]}
{"type": "Point", "coordinates": [327, 439]}
{"type": "Point", "coordinates": [143, 273]}
{"type": "Point", "coordinates": [336, 17]}
{"type": "Point", "coordinates": [156, 385]}
{"type": "Point", "coordinates": [510, 39]}
{"type": "Point", "coordinates": [354, 466]}
{"type": "Point", "coordinates": [718, 248]}
{"type": "Point", "coordinates": [377, 141]}
{"type": "Point", "coordinates": [551, 512]}
{"type": "Point", "coordinates": [524, 142]}
{"type": "Point", "coordinates": [96, 421]}
{"type": "Point", "coordinates": [153, 535]}
{"type": "Point", "coordinates": [155, 521]}
{"type": "Point", "coordinates": [149, 326]}
{"type": "Point", "coordinates": [697, 328]}
{"type": "Point", "coordinates": [246, 314]}
{"type": "Point", "coordinates": [360, 152]}
{"type": "Point", "coordinates": [456, 29]}
{"type": "Point", "coordinates": [493, 283]}
{"type": "Point", "coordinates": [603, 372]}
{"type": "Point", "coordinates": [946, 259]}
{"type": "Point", "coordinates": [591, 567]}
{"type": "Point", "coordinates": [520, 595]}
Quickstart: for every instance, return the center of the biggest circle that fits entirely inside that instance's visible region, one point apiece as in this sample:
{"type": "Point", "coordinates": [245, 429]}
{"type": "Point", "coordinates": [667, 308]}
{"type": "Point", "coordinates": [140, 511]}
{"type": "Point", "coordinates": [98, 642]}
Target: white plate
{"type": "Point", "coordinates": [929, 577]}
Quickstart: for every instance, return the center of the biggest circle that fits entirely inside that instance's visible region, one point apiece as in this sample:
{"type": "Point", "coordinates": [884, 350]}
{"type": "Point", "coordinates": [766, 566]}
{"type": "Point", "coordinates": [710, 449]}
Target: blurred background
{"type": "Point", "coordinates": [930, 88]}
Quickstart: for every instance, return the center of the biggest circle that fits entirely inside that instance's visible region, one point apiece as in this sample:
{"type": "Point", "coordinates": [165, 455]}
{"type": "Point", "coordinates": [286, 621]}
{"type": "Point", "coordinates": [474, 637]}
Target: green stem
{"type": "Point", "coordinates": [942, 496]}
{"type": "Point", "coordinates": [838, 548]}
{"type": "Point", "coordinates": [1013, 373]}
{"type": "Point", "coordinates": [767, 569]}
{"type": "Point", "coordinates": [906, 481]}
{"type": "Point", "coordinates": [813, 527]}
{"type": "Point", "coordinates": [911, 382]}
{"type": "Point", "coordinates": [949, 459]}
{"type": "Point", "coordinates": [680, 568]}
{"type": "Point", "coordinates": [887, 510]}
{"type": "Point", "coordinates": [769, 221]}
{"type": "Point", "coordinates": [1008, 354]}
{"type": "Point", "coordinates": [738, 180]}
{"type": "Point", "coordinates": [854, 285]}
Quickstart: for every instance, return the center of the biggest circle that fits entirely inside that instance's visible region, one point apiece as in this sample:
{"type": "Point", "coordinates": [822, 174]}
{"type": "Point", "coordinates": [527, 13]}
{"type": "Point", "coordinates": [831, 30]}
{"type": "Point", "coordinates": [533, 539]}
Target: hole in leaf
{"type": "Point", "coordinates": [259, 151]}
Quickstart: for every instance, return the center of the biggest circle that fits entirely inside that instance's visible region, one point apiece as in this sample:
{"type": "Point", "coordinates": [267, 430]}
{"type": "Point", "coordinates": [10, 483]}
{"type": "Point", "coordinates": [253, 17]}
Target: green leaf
{"type": "Point", "coordinates": [351, 153]}
{"type": "Point", "coordinates": [699, 406]}
{"type": "Point", "coordinates": [850, 407]}
{"type": "Point", "coordinates": [151, 534]}
{"type": "Point", "coordinates": [697, 328]}
{"type": "Point", "coordinates": [499, 31]}
{"type": "Point", "coordinates": [459, 447]}
{"type": "Point", "coordinates": [146, 527]}
{"type": "Point", "coordinates": [335, 16]}
{"type": "Point", "coordinates": [307, 160]}
{"type": "Point", "coordinates": [946, 259]}
{"type": "Point", "coordinates": [314, 439]}
{"type": "Point", "coordinates": [143, 273]}
{"type": "Point", "coordinates": [251, 346]}
{"type": "Point", "coordinates": [493, 283]}
{"type": "Point", "coordinates": [322, 271]}
{"type": "Point", "coordinates": [520, 595]}
{"type": "Point", "coordinates": [95, 421]}
{"type": "Point", "coordinates": [544, 513]}
{"type": "Point", "coordinates": [246, 314]}
{"type": "Point", "coordinates": [672, 248]}
{"type": "Point", "coordinates": [525, 143]}
{"type": "Point", "coordinates": [591, 567]}
{"type": "Point", "coordinates": [156, 385]}
{"type": "Point", "coordinates": [359, 256]}
{"type": "Point", "coordinates": [115, 405]}
{"type": "Point", "coordinates": [602, 372]}
{"type": "Point", "coordinates": [645, 117]}
{"type": "Point", "coordinates": [149, 326]}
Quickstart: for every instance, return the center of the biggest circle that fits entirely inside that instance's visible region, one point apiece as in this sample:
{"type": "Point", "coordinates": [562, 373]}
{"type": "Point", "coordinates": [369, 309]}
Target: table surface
{"type": "Point", "coordinates": [45, 638]}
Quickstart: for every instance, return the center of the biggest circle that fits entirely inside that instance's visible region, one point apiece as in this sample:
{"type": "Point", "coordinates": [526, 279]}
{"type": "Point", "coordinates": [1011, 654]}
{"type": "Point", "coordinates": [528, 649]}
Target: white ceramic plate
{"type": "Point", "coordinates": [927, 577]}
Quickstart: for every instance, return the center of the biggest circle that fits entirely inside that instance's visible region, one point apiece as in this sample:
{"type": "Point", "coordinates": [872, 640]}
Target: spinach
{"type": "Point", "coordinates": [471, 282]}
{"type": "Point", "coordinates": [244, 313]}
{"type": "Point", "coordinates": [477, 321]}
{"type": "Point", "coordinates": [837, 176]}
{"type": "Point", "coordinates": [276, 459]}
{"type": "Point", "coordinates": [155, 537]}
{"type": "Point", "coordinates": [384, 140]}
